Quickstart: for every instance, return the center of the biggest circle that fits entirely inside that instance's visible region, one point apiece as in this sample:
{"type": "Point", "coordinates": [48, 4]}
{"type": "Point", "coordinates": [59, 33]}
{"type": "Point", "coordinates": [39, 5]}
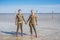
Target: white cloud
{"type": "Point", "coordinates": [27, 8]}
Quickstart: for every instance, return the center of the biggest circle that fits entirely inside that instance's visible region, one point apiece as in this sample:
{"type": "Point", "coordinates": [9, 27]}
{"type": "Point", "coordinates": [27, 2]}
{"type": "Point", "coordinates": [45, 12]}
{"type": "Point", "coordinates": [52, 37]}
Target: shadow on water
{"type": "Point", "coordinates": [13, 33]}
{"type": "Point", "coordinates": [19, 38]}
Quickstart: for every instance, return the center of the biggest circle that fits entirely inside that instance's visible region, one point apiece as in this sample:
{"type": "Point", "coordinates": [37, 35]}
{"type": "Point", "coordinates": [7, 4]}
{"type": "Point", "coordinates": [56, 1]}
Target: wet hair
{"type": "Point", "coordinates": [31, 10]}
{"type": "Point", "coordinates": [19, 10]}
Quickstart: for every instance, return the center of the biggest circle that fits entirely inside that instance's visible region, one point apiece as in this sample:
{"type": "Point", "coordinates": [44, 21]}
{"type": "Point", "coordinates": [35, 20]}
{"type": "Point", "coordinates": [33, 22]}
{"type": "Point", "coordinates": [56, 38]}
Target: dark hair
{"type": "Point", "coordinates": [19, 10]}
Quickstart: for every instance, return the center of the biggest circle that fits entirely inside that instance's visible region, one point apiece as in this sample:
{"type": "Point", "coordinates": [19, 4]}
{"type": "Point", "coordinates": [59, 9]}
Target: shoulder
{"type": "Point", "coordinates": [16, 15]}
{"type": "Point", "coordinates": [30, 15]}
{"type": "Point", "coordinates": [22, 15]}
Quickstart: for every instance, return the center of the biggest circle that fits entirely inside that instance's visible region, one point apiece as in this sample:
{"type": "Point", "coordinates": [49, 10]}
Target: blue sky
{"type": "Point", "coordinates": [43, 6]}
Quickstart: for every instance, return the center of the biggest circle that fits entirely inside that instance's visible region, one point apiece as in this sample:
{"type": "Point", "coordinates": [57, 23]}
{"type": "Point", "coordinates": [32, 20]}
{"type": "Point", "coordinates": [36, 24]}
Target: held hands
{"type": "Point", "coordinates": [25, 22]}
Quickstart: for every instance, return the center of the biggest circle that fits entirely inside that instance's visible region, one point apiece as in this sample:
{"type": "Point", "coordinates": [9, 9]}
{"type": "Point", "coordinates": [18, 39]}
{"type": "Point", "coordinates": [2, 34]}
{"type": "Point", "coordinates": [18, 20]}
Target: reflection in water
{"type": "Point", "coordinates": [19, 38]}
{"type": "Point", "coordinates": [33, 38]}
{"type": "Point", "coordinates": [26, 38]}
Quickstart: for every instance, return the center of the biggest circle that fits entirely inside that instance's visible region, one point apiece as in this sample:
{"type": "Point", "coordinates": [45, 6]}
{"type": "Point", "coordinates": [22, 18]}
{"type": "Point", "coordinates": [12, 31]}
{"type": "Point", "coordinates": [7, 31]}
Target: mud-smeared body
{"type": "Point", "coordinates": [32, 23]}
{"type": "Point", "coordinates": [19, 19]}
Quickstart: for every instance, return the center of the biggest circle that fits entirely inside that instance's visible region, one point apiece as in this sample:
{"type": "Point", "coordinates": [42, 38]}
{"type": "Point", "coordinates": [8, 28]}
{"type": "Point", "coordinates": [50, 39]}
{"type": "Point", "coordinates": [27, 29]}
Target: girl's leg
{"type": "Point", "coordinates": [21, 29]}
{"type": "Point", "coordinates": [35, 30]}
{"type": "Point", "coordinates": [17, 30]}
{"type": "Point", "coordinates": [30, 25]}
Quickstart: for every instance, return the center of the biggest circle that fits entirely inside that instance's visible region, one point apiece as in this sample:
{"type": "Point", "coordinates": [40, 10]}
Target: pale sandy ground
{"type": "Point", "coordinates": [47, 29]}
{"type": "Point", "coordinates": [10, 37]}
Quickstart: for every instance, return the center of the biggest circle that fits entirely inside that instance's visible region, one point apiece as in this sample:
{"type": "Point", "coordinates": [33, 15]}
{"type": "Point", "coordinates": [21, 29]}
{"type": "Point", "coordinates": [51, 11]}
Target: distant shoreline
{"type": "Point", "coordinates": [25, 13]}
